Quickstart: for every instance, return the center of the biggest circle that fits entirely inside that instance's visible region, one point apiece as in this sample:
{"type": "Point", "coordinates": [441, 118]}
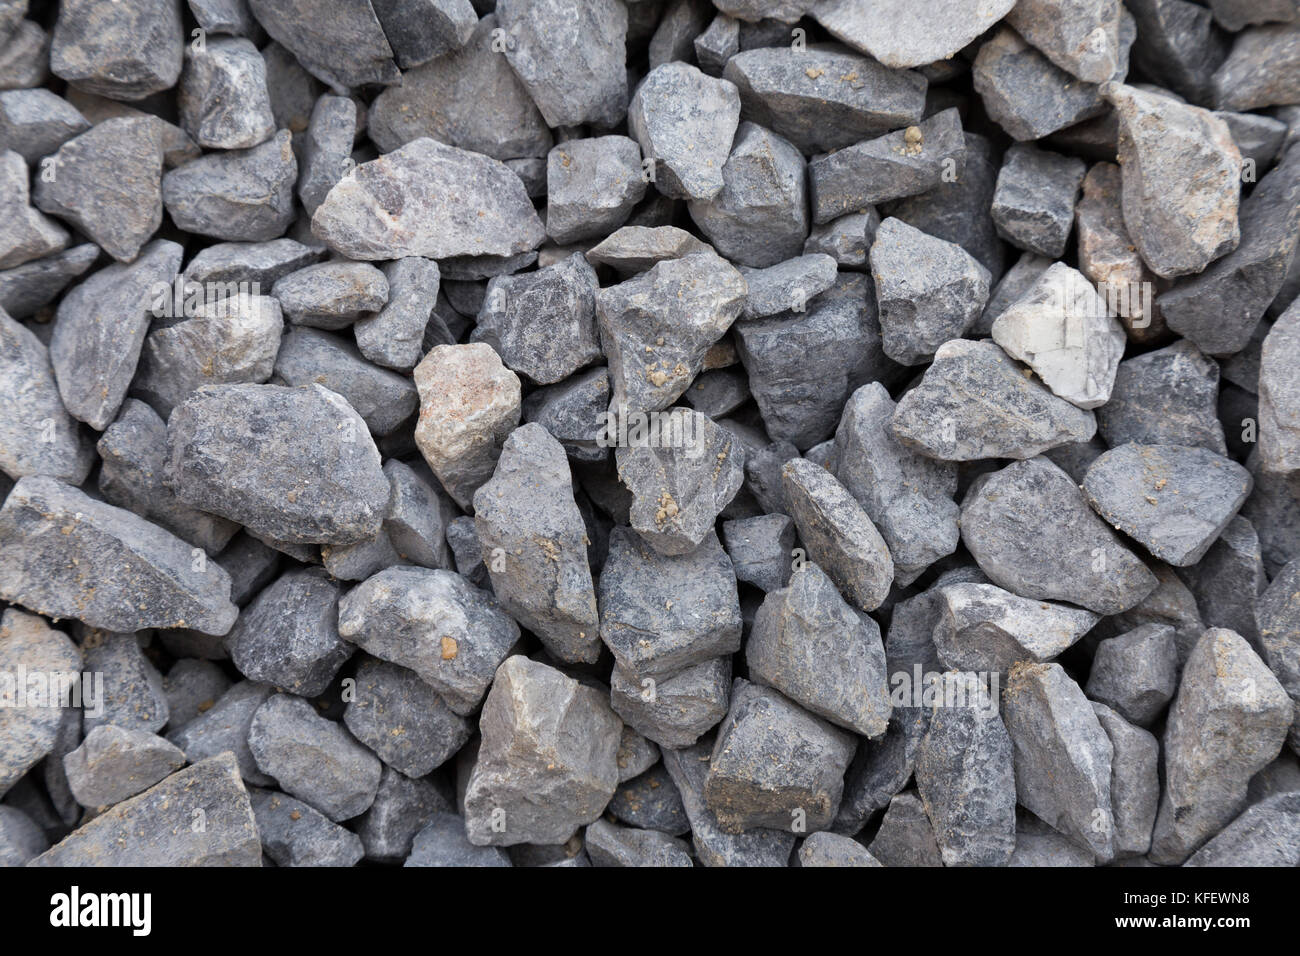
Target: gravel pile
{"type": "Point", "coordinates": [649, 432]}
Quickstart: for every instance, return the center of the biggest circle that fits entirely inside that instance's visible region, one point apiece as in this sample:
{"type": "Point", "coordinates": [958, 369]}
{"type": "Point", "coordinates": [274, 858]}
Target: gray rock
{"type": "Point", "coordinates": [1173, 500]}
{"type": "Point", "coordinates": [1279, 396]}
{"type": "Point", "coordinates": [634, 249]}
{"type": "Point", "coordinates": [28, 732]}
{"type": "Point", "coordinates": [802, 366]}
{"type": "Point", "coordinates": [1033, 205]}
{"type": "Point", "coordinates": [717, 44]}
{"type": "Point", "coordinates": [1136, 673]}
{"type": "Point", "coordinates": [907, 496]}
{"type": "Point", "coordinates": [1081, 37]}
{"type": "Point", "coordinates": [904, 163]}
{"type": "Point", "coordinates": [788, 285]}
{"type": "Point", "coordinates": [1134, 782]}
{"type": "Point", "coordinates": [192, 688]}
{"type": "Point", "coordinates": [1228, 581]}
{"type": "Point", "coordinates": [714, 846]}
{"type": "Point", "coordinates": [1220, 308]}
{"type": "Point", "coordinates": [682, 472]}
{"type": "Point", "coordinates": [21, 838]}
{"type": "Point", "coordinates": [1229, 720]}
{"type": "Point", "coordinates": [1181, 44]}
{"type": "Point", "coordinates": [839, 536]}
{"type": "Point", "coordinates": [543, 323]}
{"type": "Point", "coordinates": [469, 98]}
{"type": "Point", "coordinates": [342, 44]}
{"type": "Point", "coordinates": [383, 399]}
{"type": "Point", "coordinates": [636, 755]}
{"type": "Point", "coordinates": [433, 622]}
{"type": "Point", "coordinates": [1242, 82]}
{"type": "Point", "coordinates": [1279, 635]}
{"type": "Point", "coordinates": [1048, 848]}
{"type": "Point", "coordinates": [295, 834]}
{"type": "Point", "coordinates": [133, 450]}
{"type": "Point", "coordinates": [403, 720]}
{"type": "Point", "coordinates": [881, 768]}
{"type": "Point", "coordinates": [656, 329]}
{"type": "Point", "coordinates": [133, 689]}
{"type": "Point", "coordinates": [35, 123]}
{"type": "Point", "coordinates": [685, 122]}
{"type": "Point", "coordinates": [226, 16]}
{"type": "Point", "coordinates": [674, 712]}
{"type": "Point", "coordinates": [326, 149]}
{"type": "Point", "coordinates": [573, 411]}
{"type": "Point", "coordinates": [288, 636]}
{"type": "Point", "coordinates": [1165, 397]}
{"type": "Point", "coordinates": [1016, 416]}
{"type": "Point", "coordinates": [230, 341]}
{"type": "Point", "coordinates": [27, 233]}
{"type": "Point", "coordinates": [809, 644]}
{"type": "Point", "coordinates": [155, 581]}
{"type": "Point", "coordinates": [272, 457]}
{"type": "Point", "coordinates": [224, 727]}
{"type": "Point", "coordinates": [965, 778]}
{"type": "Point", "coordinates": [312, 758]}
{"type": "Point", "coordinates": [1062, 756]}
{"type": "Point", "coordinates": [1274, 509]}
{"type": "Point", "coordinates": [986, 629]}
{"type": "Point", "coordinates": [401, 809]}
{"type": "Point", "coordinates": [260, 264]}
{"type": "Point", "coordinates": [27, 288]}
{"type": "Point", "coordinates": [543, 734]}
{"type": "Point", "coordinates": [224, 103]}
{"type": "Point", "coordinates": [469, 403]}
{"type": "Point", "coordinates": [418, 515]}
{"type": "Point", "coordinates": [533, 536]}
{"type": "Point", "coordinates": [24, 57]}
{"type": "Point", "coordinates": [775, 765]}
{"type": "Point", "coordinates": [442, 842]}
{"type": "Point", "coordinates": [759, 549]}
{"type": "Point", "coordinates": [905, 34]}
{"type": "Point", "coordinates": [124, 51]}
{"type": "Point", "coordinates": [100, 329]}
{"type": "Point", "coordinates": [478, 205]}
{"type": "Point", "coordinates": [1259, 138]}
{"type": "Point", "coordinates": [660, 615]}
{"type": "Point", "coordinates": [1267, 834]}
{"type": "Point", "coordinates": [1031, 531]}
{"type": "Point", "coordinates": [426, 29]}
{"type": "Point", "coordinates": [394, 336]}
{"type": "Point", "coordinates": [1181, 181]}
{"type": "Point", "coordinates": [831, 849]}
{"type": "Point", "coordinates": [846, 239]}
{"type": "Point", "coordinates": [591, 187]}
{"type": "Point", "coordinates": [905, 837]}
{"type": "Point", "coordinates": [157, 828]}
{"type": "Point", "coordinates": [114, 763]}
{"type": "Point", "coordinates": [570, 56]}
{"type": "Point", "coordinates": [929, 290]}
{"type": "Point", "coordinates": [610, 845]}
{"type": "Point", "coordinates": [651, 801]}
{"type": "Point", "coordinates": [37, 435]}
{"type": "Point", "coordinates": [824, 97]}
{"type": "Point", "coordinates": [243, 194]}
{"type": "Point", "coordinates": [760, 216]}
{"type": "Point", "coordinates": [330, 295]}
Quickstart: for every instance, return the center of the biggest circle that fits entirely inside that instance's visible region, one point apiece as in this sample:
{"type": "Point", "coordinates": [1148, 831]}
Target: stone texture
{"type": "Point", "coordinates": [685, 122]}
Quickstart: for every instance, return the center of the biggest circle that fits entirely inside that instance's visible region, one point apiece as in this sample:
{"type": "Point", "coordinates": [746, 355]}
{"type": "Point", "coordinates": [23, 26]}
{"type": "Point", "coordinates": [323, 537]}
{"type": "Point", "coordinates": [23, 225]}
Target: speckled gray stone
{"type": "Point", "coordinates": [1279, 396]}
{"type": "Point", "coordinates": [242, 194]}
{"type": "Point", "coordinates": [1164, 397]}
{"type": "Point", "coordinates": [685, 122]}
{"type": "Point", "coordinates": [1243, 82]}
{"type": "Point", "coordinates": [442, 842]}
{"type": "Point", "coordinates": [27, 288]}
{"type": "Point", "coordinates": [35, 123]}
{"type": "Point", "coordinates": [1136, 673]}
{"type": "Point", "coordinates": [1266, 834]}
{"type": "Point", "coordinates": [423, 30]}
{"type": "Point", "coordinates": [295, 834]}
{"type": "Point", "coordinates": [114, 763]}
{"type": "Point", "coordinates": [1278, 615]}
{"type": "Point", "coordinates": [676, 711]}
{"type": "Point", "coordinates": [224, 727]}
{"type": "Point", "coordinates": [905, 837]}
{"type": "Point", "coordinates": [125, 51]}
{"type": "Point", "coordinates": [223, 100]}
{"type": "Point", "coordinates": [1134, 782]}
{"type": "Point", "coordinates": [591, 187]}
{"type": "Point", "coordinates": [403, 720]}
{"type": "Point", "coordinates": [28, 733]}
{"type": "Point", "coordinates": [342, 44]}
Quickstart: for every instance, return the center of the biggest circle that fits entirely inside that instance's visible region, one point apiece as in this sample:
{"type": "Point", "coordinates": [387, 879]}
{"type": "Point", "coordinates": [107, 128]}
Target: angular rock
{"type": "Point", "coordinates": [342, 44]}
{"type": "Point", "coordinates": [114, 763]}
{"type": "Point", "coordinates": [433, 622]}
{"type": "Point", "coordinates": [905, 837]}
{"type": "Point", "coordinates": [427, 29]}
{"type": "Point", "coordinates": [1173, 500]}
{"type": "Point", "coordinates": [326, 150]}
{"type": "Point", "coordinates": [830, 849]}
{"type": "Point", "coordinates": [547, 764]}
{"type": "Point", "coordinates": [775, 765]}
{"type": "Point", "coordinates": [192, 687]}
{"type": "Point", "coordinates": [929, 291]}
{"type": "Point", "coordinates": [984, 628]}
{"type": "Point", "coordinates": [1263, 69]}
{"type": "Point", "coordinates": [401, 809]}
{"type": "Point", "coordinates": [760, 216]}
{"type": "Point", "coordinates": [27, 288]}
{"type": "Point", "coordinates": [224, 103]}
{"type": "Point", "coordinates": [904, 163]}
{"type": "Point", "coordinates": [674, 712]}
{"type": "Point", "coordinates": [21, 838]}
{"type": "Point", "coordinates": [906, 34]}
{"type": "Point", "coordinates": [1136, 673]}
{"type": "Point", "coordinates": [294, 464]}
{"type": "Point", "coordinates": [157, 828]}
{"type": "Point", "coordinates": [29, 726]}
{"type": "Point", "coordinates": [260, 264]}
{"type": "Point", "coordinates": [809, 644]}
{"type": "Point", "coordinates": [27, 233]}
{"type": "Point", "coordinates": [312, 758]}
{"type": "Point", "coordinates": [824, 97]}
{"type": "Point", "coordinates": [330, 295]}
{"type": "Point", "coordinates": [383, 399]}
{"type": "Point", "coordinates": [37, 435]}
{"type": "Point", "coordinates": [1081, 36]}
{"type": "Point", "coordinates": [1165, 397]}
{"type": "Point", "coordinates": [1181, 44]}
{"type": "Point", "coordinates": [1033, 205]}
{"type": "Point", "coordinates": [591, 187]}
{"type": "Point", "coordinates": [651, 801]}
{"type": "Point", "coordinates": [1134, 782]}
{"type": "Point", "coordinates": [788, 285]}
{"type": "Point", "coordinates": [478, 205]}
{"type": "Point", "coordinates": [224, 727]}
{"type": "Point", "coordinates": [442, 842]}
{"type": "Point", "coordinates": [1015, 416]}
{"type": "Point", "coordinates": [295, 834]}
{"type": "Point", "coordinates": [685, 122]}
{"type": "Point", "coordinates": [394, 336]}
{"type": "Point", "coordinates": [403, 720]}
{"type": "Point", "coordinates": [759, 549]}
{"type": "Point", "coordinates": [965, 778]}
{"type": "Point", "coordinates": [1031, 531]}
{"type": "Point", "coordinates": [1279, 635]}
{"type": "Point", "coordinates": [1228, 721]}
{"type": "Point", "coordinates": [125, 51]}
{"type": "Point", "coordinates": [241, 195]}
{"type": "Point", "coordinates": [570, 56]}
{"type": "Point", "coordinates": [35, 123]}
{"type": "Point", "coordinates": [1182, 177]}
{"type": "Point", "coordinates": [1228, 581]}
{"type": "Point", "coordinates": [1267, 834]}
{"type": "Point", "coordinates": [1279, 396]}
{"type": "Point", "coordinates": [634, 249]}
